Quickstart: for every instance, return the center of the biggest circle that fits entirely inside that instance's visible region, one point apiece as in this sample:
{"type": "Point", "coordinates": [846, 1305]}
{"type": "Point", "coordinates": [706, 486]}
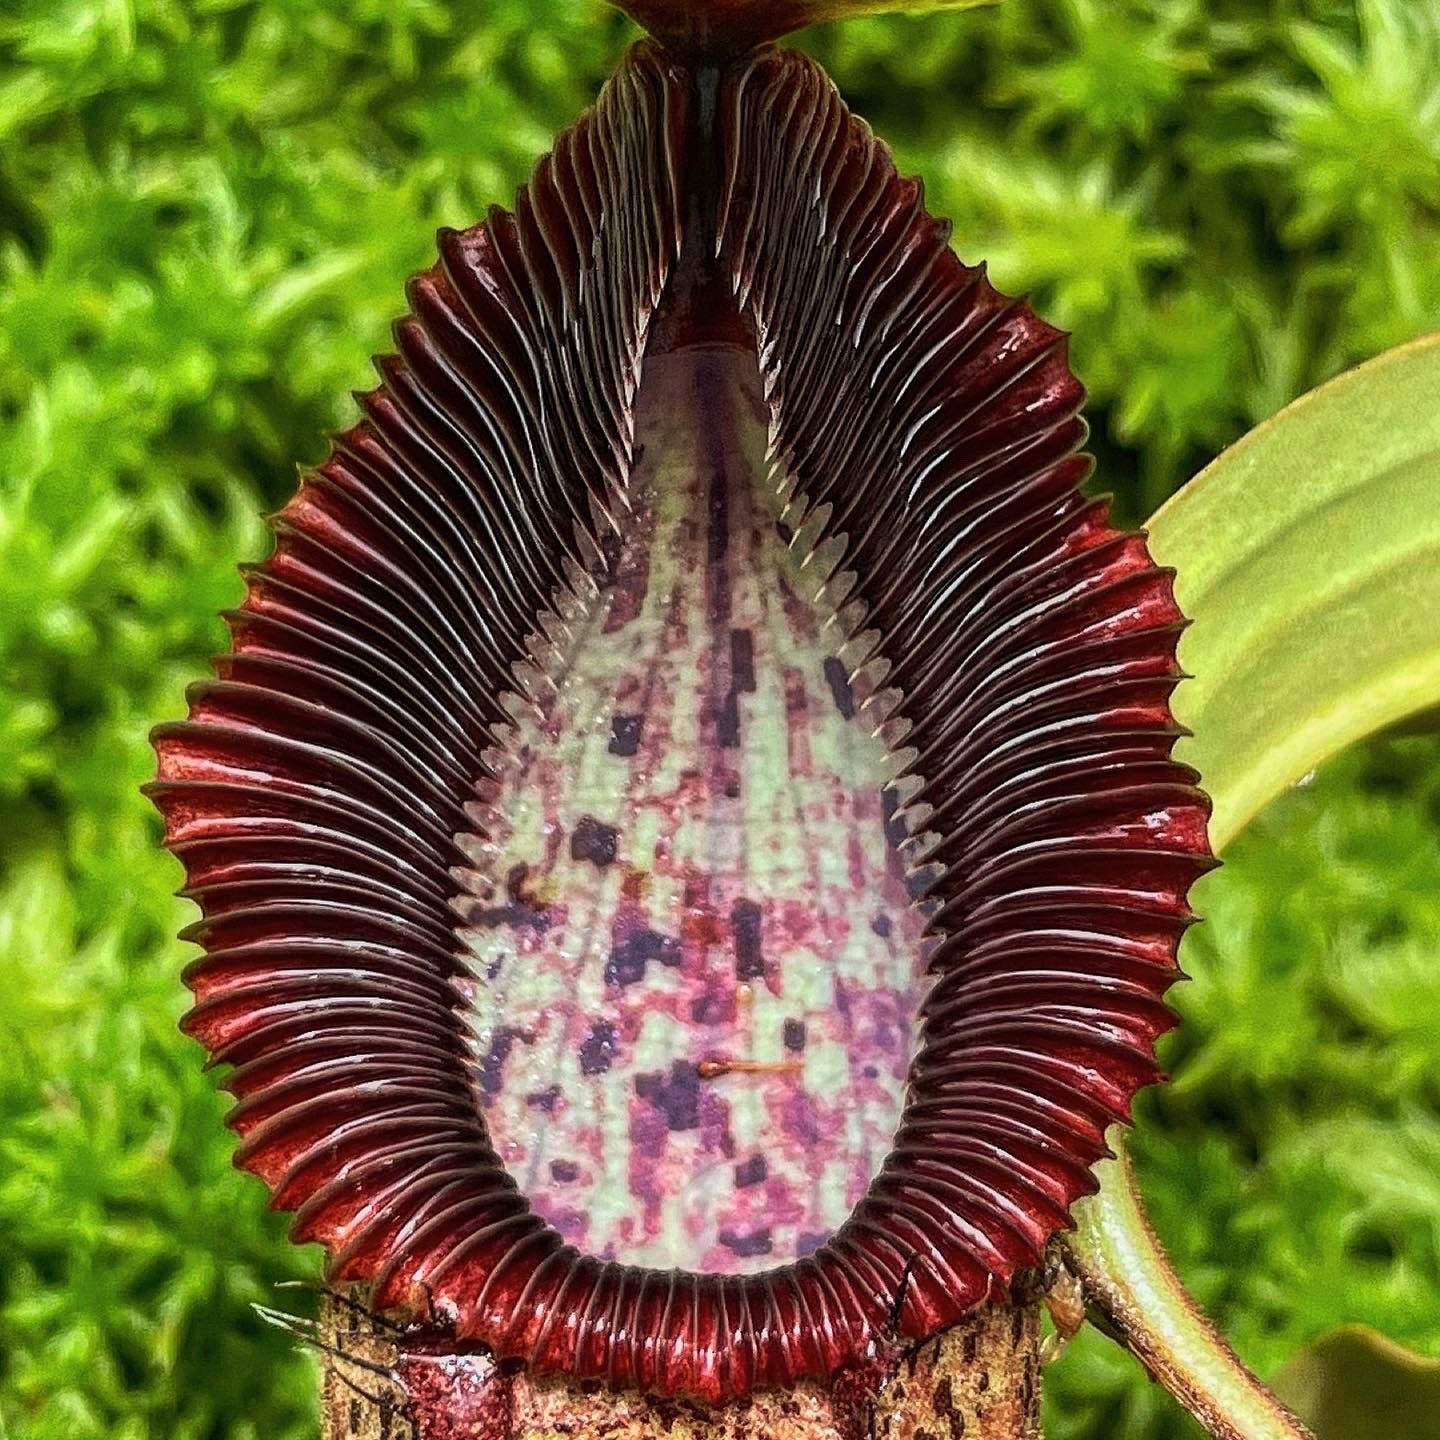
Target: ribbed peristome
{"type": "Point", "coordinates": [1014, 650]}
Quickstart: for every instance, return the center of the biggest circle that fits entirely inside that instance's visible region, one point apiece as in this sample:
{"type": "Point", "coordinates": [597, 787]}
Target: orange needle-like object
{"type": "Point", "coordinates": [714, 1069]}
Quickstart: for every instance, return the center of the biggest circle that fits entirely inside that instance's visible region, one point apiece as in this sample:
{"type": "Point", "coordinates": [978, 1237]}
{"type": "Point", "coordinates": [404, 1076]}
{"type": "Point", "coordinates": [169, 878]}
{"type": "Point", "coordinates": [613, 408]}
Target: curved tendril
{"type": "Point", "coordinates": [1129, 1280]}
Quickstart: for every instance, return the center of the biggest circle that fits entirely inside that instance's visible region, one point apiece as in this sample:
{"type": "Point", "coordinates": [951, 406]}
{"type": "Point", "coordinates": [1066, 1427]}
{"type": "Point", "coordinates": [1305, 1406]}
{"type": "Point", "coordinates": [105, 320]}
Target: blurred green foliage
{"type": "Point", "coordinates": [207, 208]}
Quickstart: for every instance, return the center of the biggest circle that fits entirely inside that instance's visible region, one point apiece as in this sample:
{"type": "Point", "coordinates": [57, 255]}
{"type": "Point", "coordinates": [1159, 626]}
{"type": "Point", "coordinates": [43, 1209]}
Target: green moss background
{"type": "Point", "coordinates": [207, 208]}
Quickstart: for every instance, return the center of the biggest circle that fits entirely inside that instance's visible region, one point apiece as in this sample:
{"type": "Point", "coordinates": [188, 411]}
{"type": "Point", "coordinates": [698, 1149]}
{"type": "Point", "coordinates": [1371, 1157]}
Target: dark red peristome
{"type": "Point", "coordinates": [723, 28]}
{"type": "Point", "coordinates": [317, 793]}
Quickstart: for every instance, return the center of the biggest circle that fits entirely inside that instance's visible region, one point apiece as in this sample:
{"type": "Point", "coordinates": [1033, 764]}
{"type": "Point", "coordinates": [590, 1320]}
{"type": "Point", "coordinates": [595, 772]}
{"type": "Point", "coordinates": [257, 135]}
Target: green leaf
{"type": "Point", "coordinates": [1354, 1383]}
{"type": "Point", "coordinates": [1308, 557]}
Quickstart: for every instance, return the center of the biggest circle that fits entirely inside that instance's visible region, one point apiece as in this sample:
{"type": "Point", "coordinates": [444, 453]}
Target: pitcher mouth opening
{"type": "Point", "coordinates": [696, 952]}
{"type": "Point", "coordinates": [697, 683]}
